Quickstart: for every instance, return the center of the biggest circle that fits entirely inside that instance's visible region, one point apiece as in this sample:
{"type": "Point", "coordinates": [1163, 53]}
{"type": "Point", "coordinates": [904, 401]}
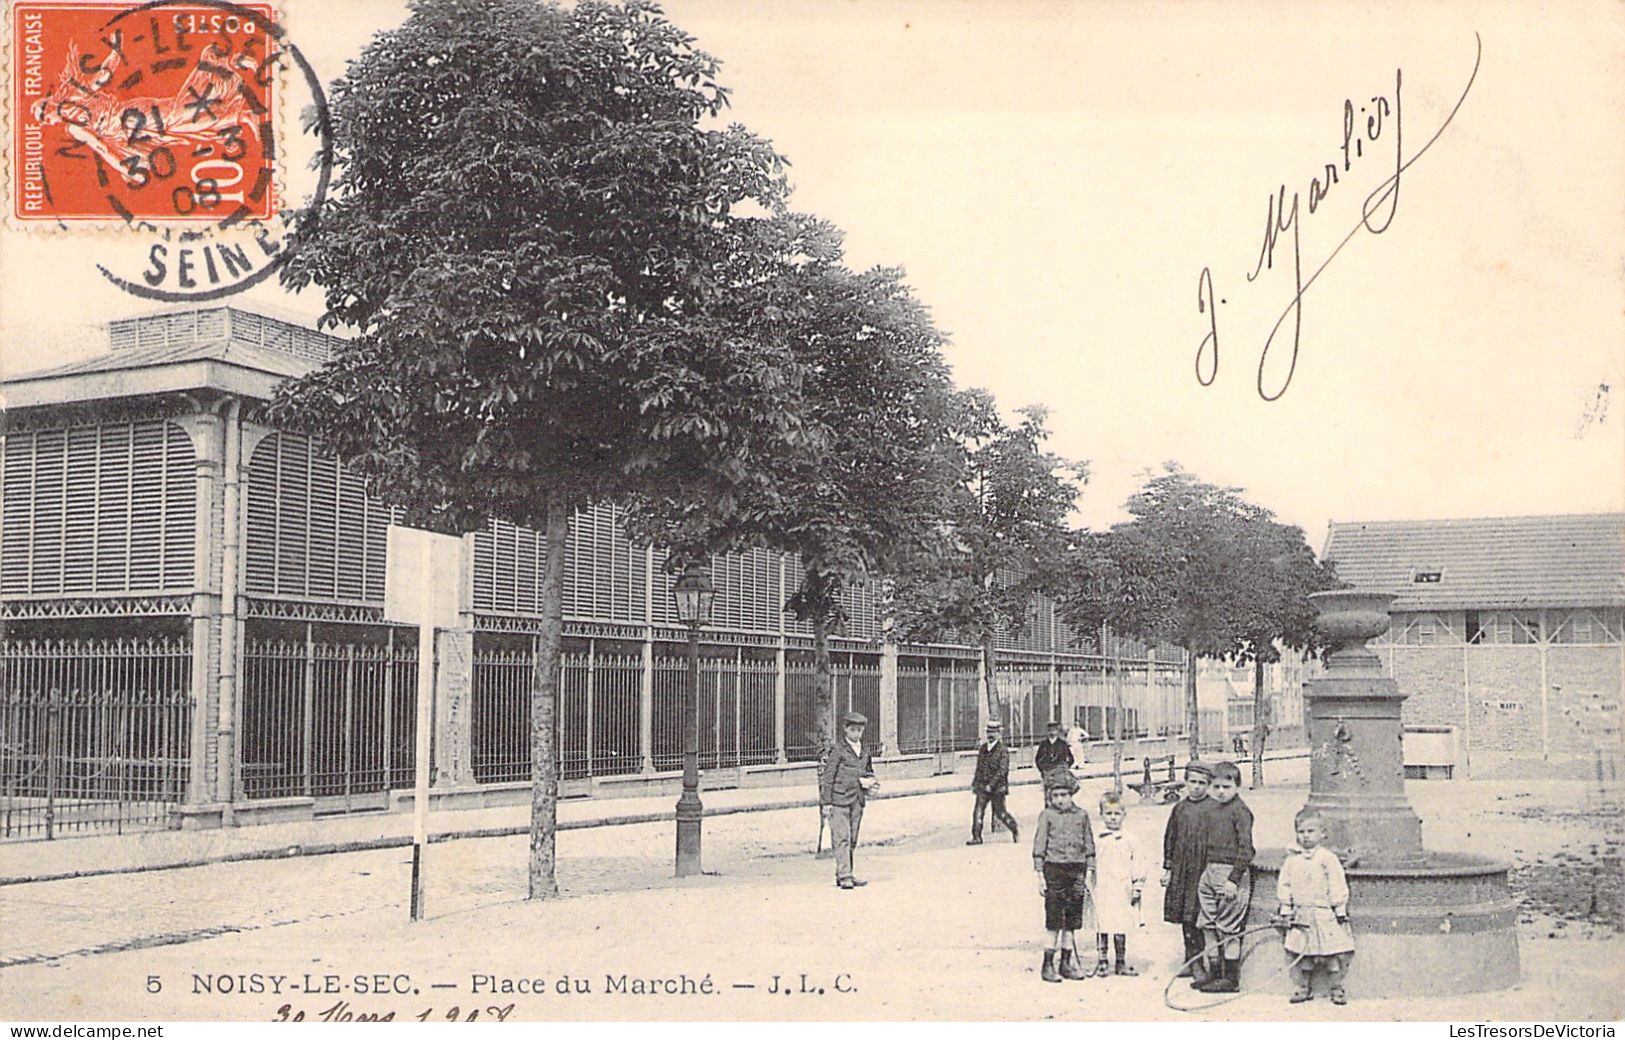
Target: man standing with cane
{"type": "Point", "coordinates": [844, 782]}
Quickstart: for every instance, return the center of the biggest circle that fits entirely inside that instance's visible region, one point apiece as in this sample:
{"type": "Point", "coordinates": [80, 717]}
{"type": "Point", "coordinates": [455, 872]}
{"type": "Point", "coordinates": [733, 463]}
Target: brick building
{"type": "Point", "coordinates": [1507, 630]}
{"type": "Point", "coordinates": [193, 625]}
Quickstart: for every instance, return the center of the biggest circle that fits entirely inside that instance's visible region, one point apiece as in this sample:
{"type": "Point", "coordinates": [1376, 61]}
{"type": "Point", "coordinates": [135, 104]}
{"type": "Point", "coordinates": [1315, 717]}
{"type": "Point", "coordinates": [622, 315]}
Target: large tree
{"type": "Point", "coordinates": [556, 299]}
{"type": "Point", "coordinates": [1005, 527]}
{"type": "Point", "coordinates": [1184, 552]}
{"type": "Point", "coordinates": [866, 497]}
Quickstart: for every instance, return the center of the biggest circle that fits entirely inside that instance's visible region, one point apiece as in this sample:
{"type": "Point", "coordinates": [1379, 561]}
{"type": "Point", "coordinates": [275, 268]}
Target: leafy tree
{"type": "Point", "coordinates": [557, 300]}
{"type": "Point", "coordinates": [1183, 554]}
{"type": "Point", "coordinates": [1282, 571]}
{"type": "Point", "coordinates": [867, 495]}
{"type": "Point", "coordinates": [1006, 534]}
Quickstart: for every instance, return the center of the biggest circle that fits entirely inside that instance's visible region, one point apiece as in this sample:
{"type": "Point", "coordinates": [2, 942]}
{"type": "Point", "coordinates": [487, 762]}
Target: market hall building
{"type": "Point", "coordinates": [194, 635]}
{"type": "Point", "coordinates": [1505, 636]}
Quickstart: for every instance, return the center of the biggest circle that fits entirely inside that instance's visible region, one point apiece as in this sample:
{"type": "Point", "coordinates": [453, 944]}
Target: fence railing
{"type": "Point", "coordinates": [328, 720]}
{"type": "Point", "coordinates": [599, 731]}
{"type": "Point", "coordinates": [856, 682]}
{"type": "Point", "coordinates": [95, 735]}
{"type": "Point", "coordinates": [736, 726]}
{"type": "Point", "coordinates": [596, 715]}
{"type": "Point", "coordinates": [1153, 702]}
{"type": "Point", "coordinates": [936, 706]}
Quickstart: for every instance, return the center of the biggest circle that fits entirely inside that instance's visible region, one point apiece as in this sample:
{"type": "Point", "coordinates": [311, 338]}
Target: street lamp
{"type": "Point", "coordinates": [694, 594]}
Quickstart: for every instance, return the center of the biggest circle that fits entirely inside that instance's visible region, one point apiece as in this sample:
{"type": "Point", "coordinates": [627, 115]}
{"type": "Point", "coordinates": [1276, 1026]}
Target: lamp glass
{"type": "Point", "coordinates": [694, 595]}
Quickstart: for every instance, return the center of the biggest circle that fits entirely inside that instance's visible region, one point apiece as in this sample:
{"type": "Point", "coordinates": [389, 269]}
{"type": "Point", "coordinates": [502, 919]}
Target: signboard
{"type": "Point", "coordinates": [422, 577]}
{"type": "Point", "coordinates": [422, 582]}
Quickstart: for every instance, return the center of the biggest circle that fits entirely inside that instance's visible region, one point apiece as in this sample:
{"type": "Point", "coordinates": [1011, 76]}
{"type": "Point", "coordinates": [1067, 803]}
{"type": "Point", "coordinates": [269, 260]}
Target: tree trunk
{"type": "Point", "coordinates": [823, 684]}
{"type": "Point", "coordinates": [989, 661]}
{"type": "Point", "coordinates": [1193, 718]}
{"type": "Point", "coordinates": [1261, 720]}
{"type": "Point", "coordinates": [544, 690]}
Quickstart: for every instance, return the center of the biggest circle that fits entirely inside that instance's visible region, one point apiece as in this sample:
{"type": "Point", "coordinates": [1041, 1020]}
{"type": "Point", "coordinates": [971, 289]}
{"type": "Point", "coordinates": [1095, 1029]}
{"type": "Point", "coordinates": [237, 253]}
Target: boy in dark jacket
{"type": "Point", "coordinates": [1182, 863]}
{"type": "Point", "coordinates": [1064, 857]}
{"type": "Point", "coordinates": [991, 783]}
{"type": "Point", "coordinates": [1225, 888]}
{"type": "Point", "coordinates": [844, 782]}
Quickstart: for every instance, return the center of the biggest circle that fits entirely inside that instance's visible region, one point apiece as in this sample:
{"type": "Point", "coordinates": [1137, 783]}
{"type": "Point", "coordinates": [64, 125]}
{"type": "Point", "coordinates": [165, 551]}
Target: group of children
{"type": "Point", "coordinates": [1207, 855]}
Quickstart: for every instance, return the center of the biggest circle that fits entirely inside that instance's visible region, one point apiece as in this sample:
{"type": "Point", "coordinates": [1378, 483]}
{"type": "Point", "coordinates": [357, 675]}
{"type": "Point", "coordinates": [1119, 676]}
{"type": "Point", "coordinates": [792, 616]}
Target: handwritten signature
{"type": "Point", "coordinates": [1383, 121]}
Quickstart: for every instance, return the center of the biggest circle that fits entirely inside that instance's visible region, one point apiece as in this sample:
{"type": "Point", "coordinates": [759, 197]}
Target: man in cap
{"type": "Point", "coordinates": [1053, 752]}
{"type": "Point", "coordinates": [844, 782]}
{"type": "Point", "coordinates": [991, 783]}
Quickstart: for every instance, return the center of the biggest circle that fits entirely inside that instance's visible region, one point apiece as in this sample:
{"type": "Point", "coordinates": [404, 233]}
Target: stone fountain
{"type": "Point", "coordinates": [1425, 922]}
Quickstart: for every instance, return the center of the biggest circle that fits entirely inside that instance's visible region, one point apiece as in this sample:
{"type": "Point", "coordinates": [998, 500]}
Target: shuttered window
{"type": "Point", "coordinates": [313, 531]}
{"type": "Point", "coordinates": [110, 508]}
{"type": "Point", "coordinates": [604, 575]}
{"type": "Point", "coordinates": [664, 607]}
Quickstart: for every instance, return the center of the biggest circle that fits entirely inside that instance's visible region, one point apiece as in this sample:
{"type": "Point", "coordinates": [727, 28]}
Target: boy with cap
{"type": "Point", "coordinates": [844, 782]}
{"type": "Point", "coordinates": [991, 783]}
{"type": "Point", "coordinates": [1064, 857]}
{"type": "Point", "coordinates": [1053, 752]}
{"type": "Point", "coordinates": [1225, 886]}
{"type": "Point", "coordinates": [1182, 861]}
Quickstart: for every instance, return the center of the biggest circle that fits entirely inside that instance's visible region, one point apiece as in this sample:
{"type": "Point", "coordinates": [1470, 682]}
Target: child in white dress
{"type": "Point", "coordinates": [1313, 898]}
{"type": "Point", "coordinates": [1120, 867]}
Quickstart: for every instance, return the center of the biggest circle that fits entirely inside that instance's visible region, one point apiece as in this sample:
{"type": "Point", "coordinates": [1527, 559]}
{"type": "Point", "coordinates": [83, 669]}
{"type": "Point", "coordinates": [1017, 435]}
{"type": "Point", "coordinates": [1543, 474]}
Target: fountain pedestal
{"type": "Point", "coordinates": [1424, 922]}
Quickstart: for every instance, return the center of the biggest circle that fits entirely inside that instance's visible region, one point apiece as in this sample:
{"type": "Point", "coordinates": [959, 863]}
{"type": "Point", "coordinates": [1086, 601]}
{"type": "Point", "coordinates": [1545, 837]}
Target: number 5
{"type": "Point", "coordinates": [154, 984]}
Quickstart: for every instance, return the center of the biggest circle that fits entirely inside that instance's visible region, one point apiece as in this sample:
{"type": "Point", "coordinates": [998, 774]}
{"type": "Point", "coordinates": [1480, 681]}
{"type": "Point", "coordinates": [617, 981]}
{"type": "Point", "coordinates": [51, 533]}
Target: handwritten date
{"type": "Point", "coordinates": [342, 1012]}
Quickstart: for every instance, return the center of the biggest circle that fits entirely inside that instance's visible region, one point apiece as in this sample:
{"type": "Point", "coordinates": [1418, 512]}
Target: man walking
{"type": "Point", "coordinates": [844, 782]}
{"type": "Point", "coordinates": [991, 783]}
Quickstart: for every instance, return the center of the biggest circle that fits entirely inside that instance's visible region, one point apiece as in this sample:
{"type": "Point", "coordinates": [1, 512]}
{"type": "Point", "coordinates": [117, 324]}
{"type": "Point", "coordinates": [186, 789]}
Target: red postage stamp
{"type": "Point", "coordinates": [157, 113]}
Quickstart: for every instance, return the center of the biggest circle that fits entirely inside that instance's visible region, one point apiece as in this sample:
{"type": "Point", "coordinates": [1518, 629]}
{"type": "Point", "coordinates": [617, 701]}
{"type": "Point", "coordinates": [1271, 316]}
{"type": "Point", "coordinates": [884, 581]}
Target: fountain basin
{"type": "Point", "coordinates": [1448, 925]}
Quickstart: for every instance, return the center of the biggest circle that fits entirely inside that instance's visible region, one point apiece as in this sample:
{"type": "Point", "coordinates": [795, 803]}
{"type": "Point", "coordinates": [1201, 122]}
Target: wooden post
{"type": "Point", "coordinates": [420, 787]}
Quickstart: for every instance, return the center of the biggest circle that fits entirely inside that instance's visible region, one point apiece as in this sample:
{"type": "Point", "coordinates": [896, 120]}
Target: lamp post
{"type": "Point", "coordinates": [694, 594]}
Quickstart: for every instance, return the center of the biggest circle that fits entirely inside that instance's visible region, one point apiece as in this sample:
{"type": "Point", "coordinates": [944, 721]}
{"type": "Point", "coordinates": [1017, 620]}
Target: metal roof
{"type": "Point", "coordinates": [220, 348]}
{"type": "Point", "coordinates": [246, 355]}
{"type": "Point", "coordinates": [1576, 560]}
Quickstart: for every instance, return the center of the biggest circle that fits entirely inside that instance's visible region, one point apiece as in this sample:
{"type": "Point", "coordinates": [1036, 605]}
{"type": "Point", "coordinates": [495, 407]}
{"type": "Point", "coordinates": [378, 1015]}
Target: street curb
{"type": "Point", "coordinates": [399, 841]}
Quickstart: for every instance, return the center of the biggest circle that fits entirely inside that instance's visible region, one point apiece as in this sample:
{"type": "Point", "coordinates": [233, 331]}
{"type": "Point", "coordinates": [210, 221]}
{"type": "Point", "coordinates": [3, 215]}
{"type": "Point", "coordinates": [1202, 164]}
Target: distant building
{"type": "Point", "coordinates": [1506, 630]}
{"type": "Point", "coordinates": [1226, 691]}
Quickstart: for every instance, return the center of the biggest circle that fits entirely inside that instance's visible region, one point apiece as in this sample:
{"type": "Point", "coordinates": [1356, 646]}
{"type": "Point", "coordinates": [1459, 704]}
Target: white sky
{"type": "Point", "coordinates": [1055, 176]}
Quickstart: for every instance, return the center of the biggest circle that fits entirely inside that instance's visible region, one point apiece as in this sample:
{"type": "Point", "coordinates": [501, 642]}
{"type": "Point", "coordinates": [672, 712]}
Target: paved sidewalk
{"type": "Point", "coordinates": [31, 861]}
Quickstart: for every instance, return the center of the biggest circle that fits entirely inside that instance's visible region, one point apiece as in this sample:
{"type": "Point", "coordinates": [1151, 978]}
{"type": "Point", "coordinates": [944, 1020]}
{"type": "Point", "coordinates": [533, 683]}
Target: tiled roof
{"type": "Point", "coordinates": [1488, 563]}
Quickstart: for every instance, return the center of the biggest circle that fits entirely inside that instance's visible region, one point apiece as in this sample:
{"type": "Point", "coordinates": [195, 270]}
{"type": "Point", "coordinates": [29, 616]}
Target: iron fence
{"type": "Point", "coordinates": [1152, 699]}
{"type": "Point", "coordinates": [596, 714]}
{"type": "Point", "coordinates": [936, 705]}
{"type": "Point", "coordinates": [736, 725]}
{"type": "Point", "coordinates": [1025, 694]}
{"type": "Point", "coordinates": [329, 720]}
{"type": "Point", "coordinates": [95, 735]}
{"type": "Point", "coordinates": [500, 715]}
{"type": "Point", "coordinates": [598, 726]}
{"type": "Point", "coordinates": [856, 687]}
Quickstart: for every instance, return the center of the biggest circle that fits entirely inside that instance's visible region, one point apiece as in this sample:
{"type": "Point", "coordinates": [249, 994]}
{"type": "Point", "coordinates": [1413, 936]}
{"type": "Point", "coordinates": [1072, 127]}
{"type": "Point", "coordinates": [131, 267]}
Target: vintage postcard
{"type": "Point", "coordinates": [830, 510]}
